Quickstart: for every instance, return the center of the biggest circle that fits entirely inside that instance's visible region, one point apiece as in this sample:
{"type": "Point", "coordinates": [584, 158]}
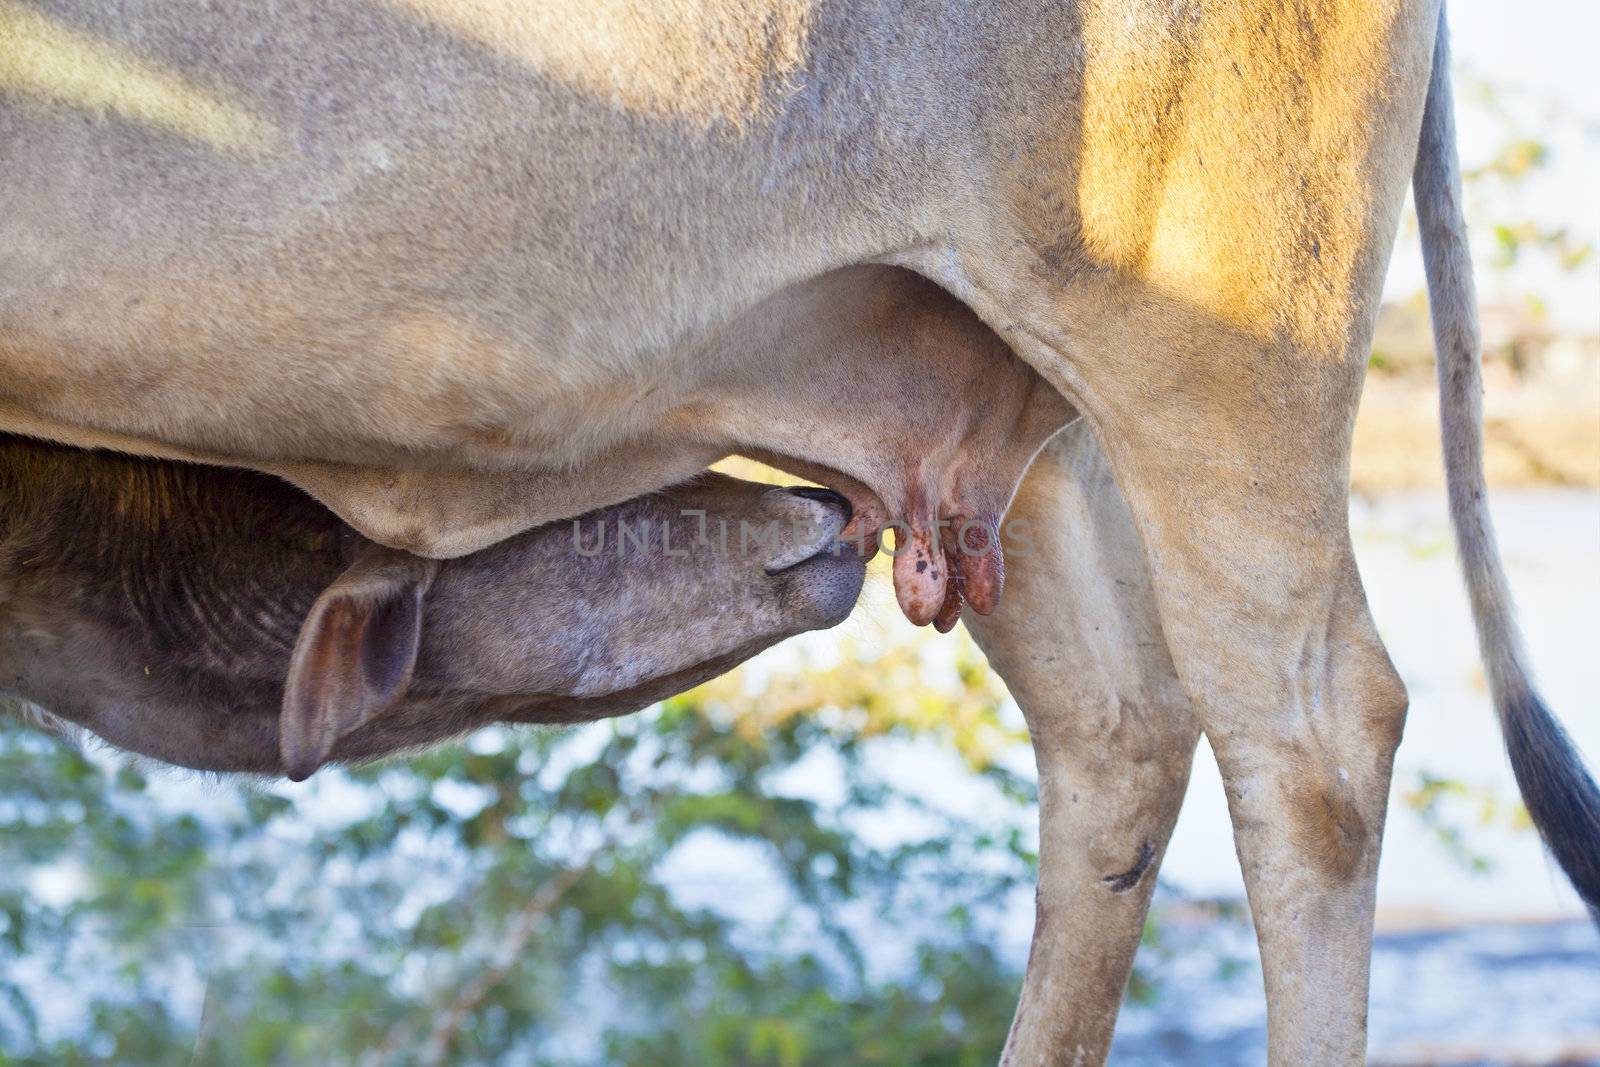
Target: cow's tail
{"type": "Point", "coordinates": [1561, 796]}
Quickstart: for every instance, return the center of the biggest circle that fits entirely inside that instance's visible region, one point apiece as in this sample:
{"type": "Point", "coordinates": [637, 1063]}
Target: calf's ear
{"type": "Point", "coordinates": [354, 656]}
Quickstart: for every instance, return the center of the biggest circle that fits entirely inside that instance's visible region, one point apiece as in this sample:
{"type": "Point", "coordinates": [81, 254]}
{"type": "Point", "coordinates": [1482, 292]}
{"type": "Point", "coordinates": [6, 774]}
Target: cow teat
{"type": "Point", "coordinates": [950, 561]}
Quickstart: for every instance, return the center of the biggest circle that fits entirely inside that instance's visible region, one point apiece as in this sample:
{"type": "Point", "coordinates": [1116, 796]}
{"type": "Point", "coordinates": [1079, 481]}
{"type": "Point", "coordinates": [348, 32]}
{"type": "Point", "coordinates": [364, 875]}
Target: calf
{"type": "Point", "coordinates": [224, 621]}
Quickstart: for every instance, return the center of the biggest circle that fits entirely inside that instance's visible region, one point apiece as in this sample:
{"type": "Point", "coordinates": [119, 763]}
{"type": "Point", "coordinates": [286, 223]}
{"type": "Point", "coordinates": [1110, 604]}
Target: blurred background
{"type": "Point", "coordinates": [827, 857]}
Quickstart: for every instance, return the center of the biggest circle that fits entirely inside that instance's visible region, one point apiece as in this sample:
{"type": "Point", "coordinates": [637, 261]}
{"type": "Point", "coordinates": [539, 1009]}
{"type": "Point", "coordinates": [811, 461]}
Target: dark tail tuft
{"type": "Point", "coordinates": [1561, 796]}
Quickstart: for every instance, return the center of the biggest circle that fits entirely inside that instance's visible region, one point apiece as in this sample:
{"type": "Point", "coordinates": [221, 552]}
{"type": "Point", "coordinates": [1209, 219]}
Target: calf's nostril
{"type": "Point", "coordinates": [823, 496]}
{"type": "Point", "coordinates": [813, 530]}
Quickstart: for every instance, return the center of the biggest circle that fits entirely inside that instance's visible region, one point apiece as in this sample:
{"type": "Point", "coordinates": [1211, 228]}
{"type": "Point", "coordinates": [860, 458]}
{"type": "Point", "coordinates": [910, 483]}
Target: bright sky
{"type": "Point", "coordinates": [1543, 51]}
{"type": "Point", "coordinates": [1544, 45]}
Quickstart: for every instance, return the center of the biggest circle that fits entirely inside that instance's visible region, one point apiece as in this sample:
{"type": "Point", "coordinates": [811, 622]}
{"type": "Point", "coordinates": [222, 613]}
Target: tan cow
{"type": "Point", "coordinates": [467, 248]}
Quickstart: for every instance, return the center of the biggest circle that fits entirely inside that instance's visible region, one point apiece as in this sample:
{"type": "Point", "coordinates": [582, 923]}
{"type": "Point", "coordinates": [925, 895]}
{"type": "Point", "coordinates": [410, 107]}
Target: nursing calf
{"type": "Point", "coordinates": [224, 621]}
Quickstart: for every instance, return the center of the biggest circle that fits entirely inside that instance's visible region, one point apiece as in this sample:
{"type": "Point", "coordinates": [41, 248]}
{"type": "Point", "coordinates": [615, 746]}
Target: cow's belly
{"type": "Point", "coordinates": [200, 368]}
{"type": "Point", "coordinates": [360, 233]}
{"type": "Point", "coordinates": [385, 326]}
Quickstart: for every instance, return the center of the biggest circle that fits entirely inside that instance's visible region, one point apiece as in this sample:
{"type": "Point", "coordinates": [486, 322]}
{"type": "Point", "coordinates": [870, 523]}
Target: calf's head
{"type": "Point", "coordinates": [222, 620]}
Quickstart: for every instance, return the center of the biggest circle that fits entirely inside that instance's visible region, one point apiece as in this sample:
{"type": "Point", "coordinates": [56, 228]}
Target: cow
{"type": "Point", "coordinates": [451, 253]}
{"type": "Point", "coordinates": [224, 621]}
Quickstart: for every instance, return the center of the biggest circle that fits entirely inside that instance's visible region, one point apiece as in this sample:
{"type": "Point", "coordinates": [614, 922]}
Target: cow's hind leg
{"type": "Point", "coordinates": [1230, 446]}
{"type": "Point", "coordinates": [1077, 640]}
{"type": "Point", "coordinates": [1197, 260]}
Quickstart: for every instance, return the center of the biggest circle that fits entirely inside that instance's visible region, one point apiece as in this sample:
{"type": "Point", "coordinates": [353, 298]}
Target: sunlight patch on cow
{"type": "Point", "coordinates": [1225, 155]}
{"type": "Point", "coordinates": [43, 59]}
{"type": "Point", "coordinates": [695, 59]}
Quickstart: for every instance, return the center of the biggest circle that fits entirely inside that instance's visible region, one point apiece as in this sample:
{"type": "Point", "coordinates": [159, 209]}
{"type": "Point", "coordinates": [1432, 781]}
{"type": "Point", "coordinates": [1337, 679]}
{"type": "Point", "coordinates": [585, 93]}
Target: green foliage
{"type": "Point", "coordinates": [1496, 185]}
{"type": "Point", "coordinates": [514, 900]}
{"type": "Point", "coordinates": [1451, 810]}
